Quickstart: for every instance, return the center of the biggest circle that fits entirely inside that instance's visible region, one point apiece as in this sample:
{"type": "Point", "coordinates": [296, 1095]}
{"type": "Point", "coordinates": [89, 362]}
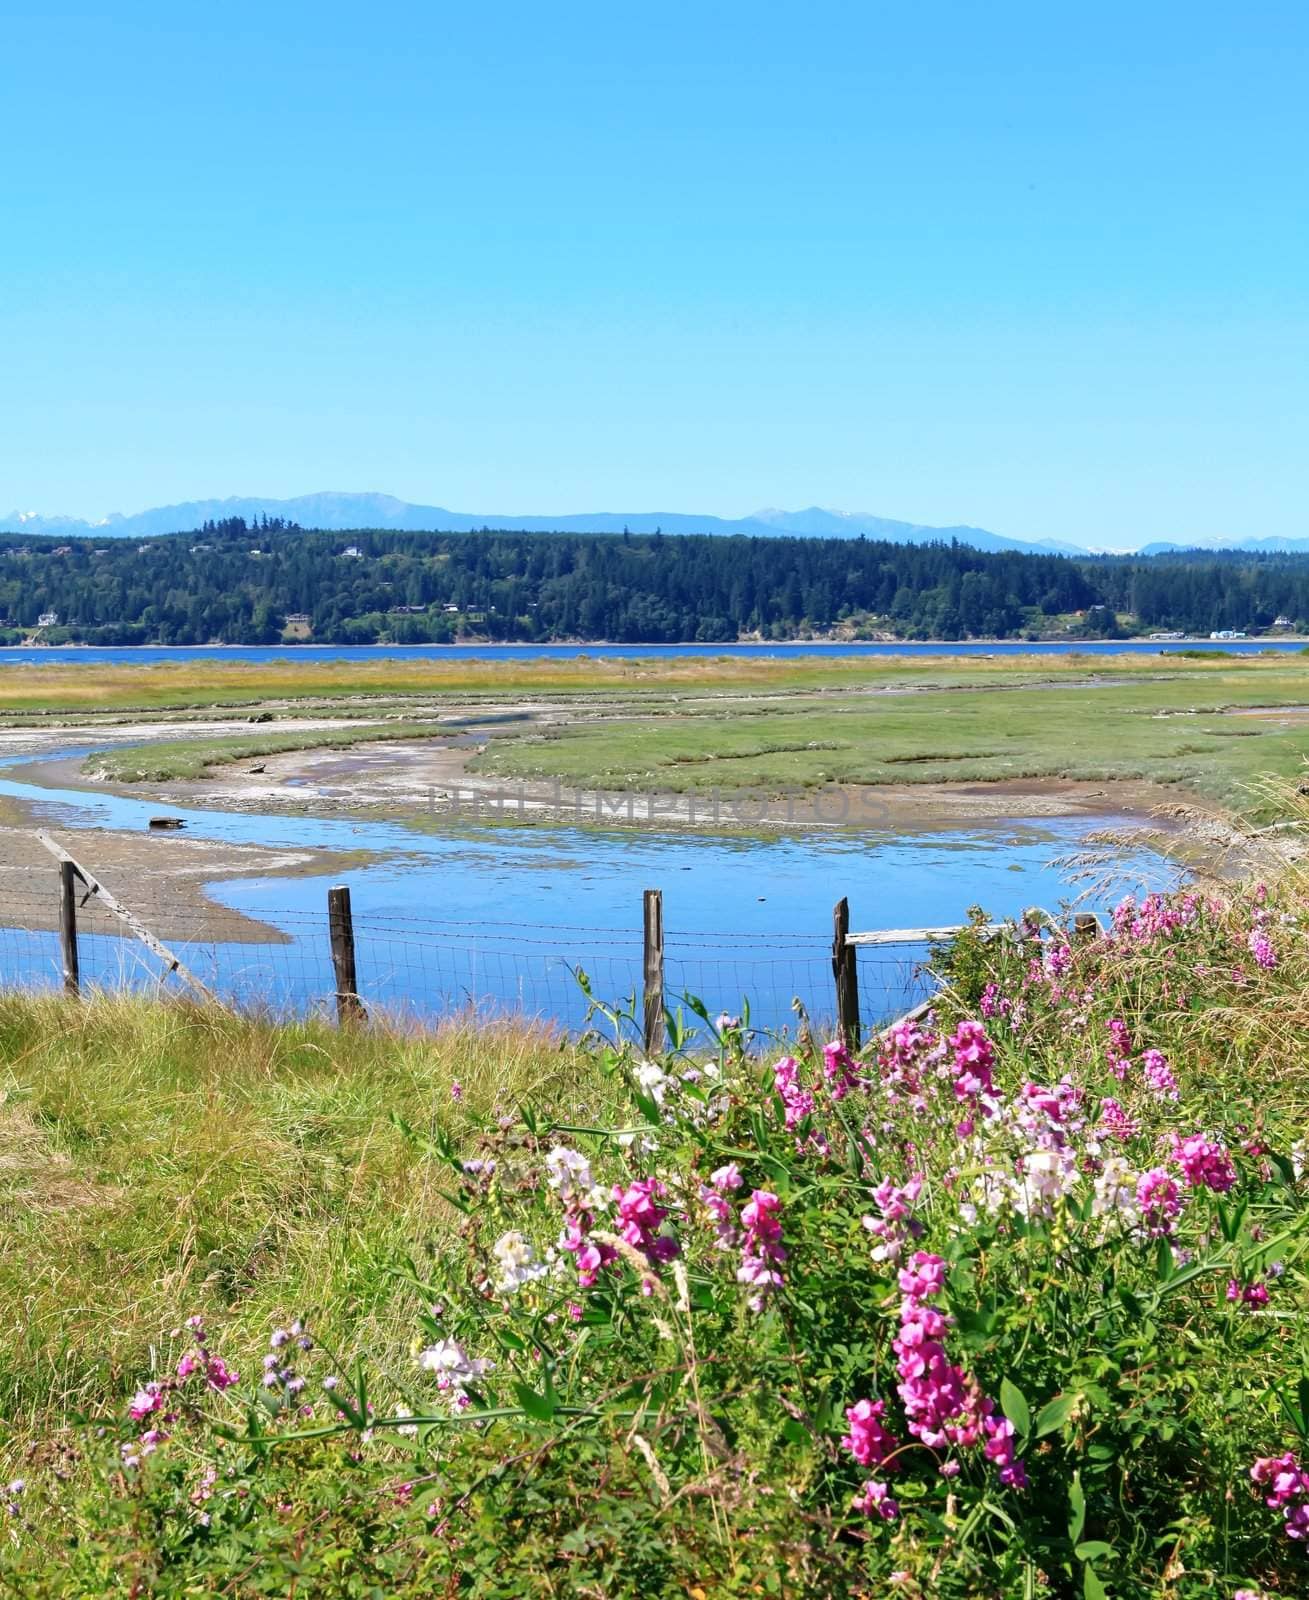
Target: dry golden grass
{"type": "Point", "coordinates": [157, 1160]}
{"type": "Point", "coordinates": [215, 683]}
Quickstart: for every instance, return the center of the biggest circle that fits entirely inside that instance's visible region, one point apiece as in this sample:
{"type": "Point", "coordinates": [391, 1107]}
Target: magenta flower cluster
{"type": "Point", "coordinates": [797, 1101]}
{"type": "Point", "coordinates": [723, 1182]}
{"type": "Point", "coordinates": [1156, 917]}
{"type": "Point", "coordinates": [897, 1227]}
{"type": "Point", "coordinates": [944, 1407]}
{"type": "Point", "coordinates": [974, 1056]}
{"type": "Point", "coordinates": [1158, 1075]}
{"type": "Point", "coordinates": [641, 1219]}
{"type": "Point", "coordinates": [158, 1402]}
{"type": "Point", "coordinates": [762, 1250]}
{"type": "Point", "coordinates": [1205, 1163]}
{"type": "Point", "coordinates": [840, 1070]}
{"type": "Point", "coordinates": [1287, 1485]}
{"type": "Point", "coordinates": [1160, 1200]}
{"type": "Point", "coordinates": [1115, 1123]}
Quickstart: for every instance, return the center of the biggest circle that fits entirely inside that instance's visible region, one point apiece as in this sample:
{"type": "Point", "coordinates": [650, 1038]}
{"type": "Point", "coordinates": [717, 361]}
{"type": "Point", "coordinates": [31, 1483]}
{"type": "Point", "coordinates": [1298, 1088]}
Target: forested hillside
{"type": "Point", "coordinates": [258, 585]}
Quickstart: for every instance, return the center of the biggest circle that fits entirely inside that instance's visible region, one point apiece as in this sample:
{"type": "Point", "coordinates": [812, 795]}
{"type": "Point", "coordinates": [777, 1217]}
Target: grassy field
{"type": "Point", "coordinates": [76, 690]}
{"type": "Point", "coordinates": [158, 1160]}
{"type": "Point", "coordinates": [178, 686]}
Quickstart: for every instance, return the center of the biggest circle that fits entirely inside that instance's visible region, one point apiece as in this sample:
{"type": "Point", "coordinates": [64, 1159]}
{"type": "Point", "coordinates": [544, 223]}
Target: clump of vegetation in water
{"type": "Point", "coordinates": [1011, 1302]}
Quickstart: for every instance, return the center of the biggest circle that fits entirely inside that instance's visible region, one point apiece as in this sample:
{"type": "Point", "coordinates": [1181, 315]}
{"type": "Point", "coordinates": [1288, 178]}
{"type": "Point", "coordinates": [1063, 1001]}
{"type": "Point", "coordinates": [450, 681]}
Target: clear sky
{"type": "Point", "coordinates": [1038, 267]}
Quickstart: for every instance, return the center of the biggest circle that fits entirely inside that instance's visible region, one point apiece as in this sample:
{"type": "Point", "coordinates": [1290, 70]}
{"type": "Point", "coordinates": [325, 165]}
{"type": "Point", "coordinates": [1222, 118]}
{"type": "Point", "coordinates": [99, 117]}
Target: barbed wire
{"type": "Point", "coordinates": [425, 968]}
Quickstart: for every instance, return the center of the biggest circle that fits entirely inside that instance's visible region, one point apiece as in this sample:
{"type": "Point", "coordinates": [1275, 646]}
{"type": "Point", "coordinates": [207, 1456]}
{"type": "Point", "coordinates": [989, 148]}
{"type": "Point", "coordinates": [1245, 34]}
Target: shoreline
{"type": "Point", "coordinates": [700, 647]}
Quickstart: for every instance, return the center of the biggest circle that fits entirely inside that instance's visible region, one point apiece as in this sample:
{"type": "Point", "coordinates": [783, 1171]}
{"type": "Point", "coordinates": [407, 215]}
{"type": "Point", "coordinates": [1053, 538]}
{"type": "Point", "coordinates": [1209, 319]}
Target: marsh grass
{"type": "Point", "coordinates": [781, 723]}
{"type": "Point", "coordinates": [1169, 728]}
{"type": "Point", "coordinates": [170, 759]}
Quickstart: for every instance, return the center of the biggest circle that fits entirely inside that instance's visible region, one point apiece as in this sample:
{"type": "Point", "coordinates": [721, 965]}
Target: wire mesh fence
{"type": "Point", "coordinates": [419, 969]}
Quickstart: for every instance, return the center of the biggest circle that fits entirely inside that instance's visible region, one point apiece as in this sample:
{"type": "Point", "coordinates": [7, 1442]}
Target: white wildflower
{"type": "Point", "coordinates": [568, 1172]}
{"type": "Point", "coordinates": [454, 1369]}
{"type": "Point", "coordinates": [652, 1080]}
{"type": "Point", "coordinates": [1115, 1190]}
{"type": "Point", "coordinates": [517, 1262]}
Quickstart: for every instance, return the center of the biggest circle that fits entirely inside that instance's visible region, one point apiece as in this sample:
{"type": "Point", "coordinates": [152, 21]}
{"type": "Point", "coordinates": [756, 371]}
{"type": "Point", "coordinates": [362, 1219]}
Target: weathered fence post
{"type": "Point", "coordinates": [68, 927]}
{"type": "Point", "coordinates": [341, 931]}
{"type": "Point", "coordinates": [1086, 926]}
{"type": "Point", "coordinates": [845, 969]}
{"type": "Point", "coordinates": [653, 923]}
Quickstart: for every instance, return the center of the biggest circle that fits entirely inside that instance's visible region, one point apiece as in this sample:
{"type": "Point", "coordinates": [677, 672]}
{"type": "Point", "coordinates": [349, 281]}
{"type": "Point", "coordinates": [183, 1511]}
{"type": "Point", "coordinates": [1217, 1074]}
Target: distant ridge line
{"type": "Point", "coordinates": [340, 512]}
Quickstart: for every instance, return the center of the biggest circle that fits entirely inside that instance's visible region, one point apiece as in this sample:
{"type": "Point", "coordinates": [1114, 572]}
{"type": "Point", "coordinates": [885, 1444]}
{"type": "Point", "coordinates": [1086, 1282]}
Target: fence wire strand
{"type": "Point", "coordinates": [423, 969]}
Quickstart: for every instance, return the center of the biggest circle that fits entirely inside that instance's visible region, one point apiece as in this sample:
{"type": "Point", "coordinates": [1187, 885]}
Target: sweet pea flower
{"type": "Point", "coordinates": [875, 1500]}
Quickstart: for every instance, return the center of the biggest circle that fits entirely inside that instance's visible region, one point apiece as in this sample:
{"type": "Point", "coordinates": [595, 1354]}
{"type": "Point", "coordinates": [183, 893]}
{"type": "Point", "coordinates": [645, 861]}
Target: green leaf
{"type": "Point", "coordinates": [1093, 1549]}
{"type": "Point", "coordinates": [1164, 1262]}
{"type": "Point", "coordinates": [1230, 1221]}
{"type": "Point", "coordinates": [1054, 1413]}
{"type": "Point", "coordinates": [1077, 1506]}
{"type": "Point", "coordinates": [1092, 1588]}
{"type": "Point", "coordinates": [540, 1406]}
{"type": "Point", "coordinates": [1015, 1407]}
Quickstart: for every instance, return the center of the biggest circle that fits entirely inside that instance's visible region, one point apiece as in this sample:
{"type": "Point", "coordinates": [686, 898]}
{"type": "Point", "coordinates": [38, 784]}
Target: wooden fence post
{"type": "Point", "coordinates": [68, 927]}
{"type": "Point", "coordinates": [341, 931]}
{"type": "Point", "coordinates": [845, 970]}
{"type": "Point", "coordinates": [653, 920]}
{"type": "Point", "coordinates": [1086, 926]}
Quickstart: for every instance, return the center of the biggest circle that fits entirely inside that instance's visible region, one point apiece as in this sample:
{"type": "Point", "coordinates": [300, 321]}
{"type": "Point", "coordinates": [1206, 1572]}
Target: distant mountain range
{"type": "Point", "coordinates": [339, 512]}
{"type": "Point", "coordinates": [347, 511]}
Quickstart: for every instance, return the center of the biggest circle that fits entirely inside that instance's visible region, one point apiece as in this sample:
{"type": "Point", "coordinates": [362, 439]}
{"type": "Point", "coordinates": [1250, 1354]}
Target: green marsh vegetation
{"type": "Point", "coordinates": [733, 723]}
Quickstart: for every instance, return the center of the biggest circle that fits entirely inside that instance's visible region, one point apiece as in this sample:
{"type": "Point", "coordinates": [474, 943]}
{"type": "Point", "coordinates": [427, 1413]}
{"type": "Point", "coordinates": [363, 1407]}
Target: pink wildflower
{"type": "Point", "coordinates": [640, 1219]}
{"type": "Point", "coordinates": [1288, 1484]}
{"type": "Point", "coordinates": [1160, 1201]}
{"type": "Point", "coordinates": [1205, 1162]}
{"type": "Point", "coordinates": [762, 1251]}
{"type": "Point", "coordinates": [1253, 1294]}
{"type": "Point", "coordinates": [840, 1070]}
{"type": "Point", "coordinates": [1158, 1075]}
{"type": "Point", "coordinates": [999, 1448]}
{"type": "Point", "coordinates": [144, 1401]}
{"type": "Point", "coordinates": [1116, 1123]}
{"type": "Point", "coordinates": [896, 1228]}
{"type": "Point", "coordinates": [993, 1003]}
{"type": "Point", "coordinates": [869, 1441]}
{"type": "Point", "coordinates": [218, 1375]}
{"type": "Point", "coordinates": [1119, 1050]}
{"type": "Point", "coordinates": [974, 1056]}
{"type": "Point", "coordinates": [875, 1500]}
{"type": "Point", "coordinates": [1261, 948]}
{"type": "Point", "coordinates": [713, 1196]}
{"type": "Point", "coordinates": [797, 1101]}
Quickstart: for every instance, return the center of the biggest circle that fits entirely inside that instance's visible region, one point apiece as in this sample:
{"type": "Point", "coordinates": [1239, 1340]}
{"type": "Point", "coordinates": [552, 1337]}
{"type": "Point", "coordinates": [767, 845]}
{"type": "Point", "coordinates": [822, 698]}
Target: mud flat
{"type": "Point", "coordinates": [431, 780]}
{"type": "Point", "coordinates": [162, 877]}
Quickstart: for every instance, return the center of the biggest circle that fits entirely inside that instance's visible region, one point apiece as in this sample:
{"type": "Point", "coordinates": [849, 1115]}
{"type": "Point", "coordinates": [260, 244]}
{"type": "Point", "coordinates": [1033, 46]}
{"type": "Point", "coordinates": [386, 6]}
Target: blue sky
{"type": "Point", "coordinates": [1039, 268]}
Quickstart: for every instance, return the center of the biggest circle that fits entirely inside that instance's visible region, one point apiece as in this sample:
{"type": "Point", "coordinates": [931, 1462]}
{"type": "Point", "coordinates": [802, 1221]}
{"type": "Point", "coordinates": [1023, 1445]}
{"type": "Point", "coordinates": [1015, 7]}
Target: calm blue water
{"type": "Point", "coordinates": [498, 917]}
{"type": "Point", "coordinates": [93, 655]}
